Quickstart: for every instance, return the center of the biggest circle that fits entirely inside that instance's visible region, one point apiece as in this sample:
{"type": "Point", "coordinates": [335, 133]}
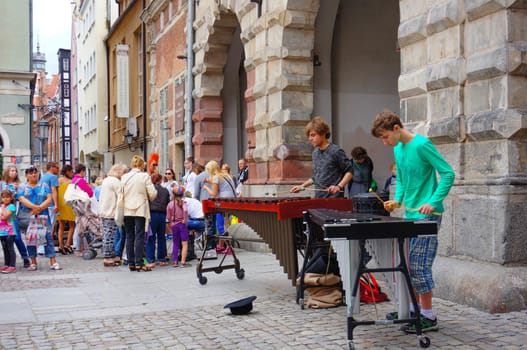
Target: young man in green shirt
{"type": "Point", "coordinates": [417, 164]}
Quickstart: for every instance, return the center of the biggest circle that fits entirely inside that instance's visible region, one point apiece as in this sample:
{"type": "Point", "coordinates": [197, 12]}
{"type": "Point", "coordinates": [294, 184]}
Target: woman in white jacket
{"type": "Point", "coordinates": [111, 187]}
{"type": "Point", "coordinates": [138, 190]}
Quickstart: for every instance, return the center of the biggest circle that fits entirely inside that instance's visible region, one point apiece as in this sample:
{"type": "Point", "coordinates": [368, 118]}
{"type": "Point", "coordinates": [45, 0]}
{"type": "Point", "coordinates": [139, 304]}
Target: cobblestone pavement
{"type": "Point", "coordinates": [88, 306]}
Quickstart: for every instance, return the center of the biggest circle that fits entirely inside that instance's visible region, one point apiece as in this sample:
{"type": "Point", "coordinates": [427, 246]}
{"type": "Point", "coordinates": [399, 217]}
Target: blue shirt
{"type": "Point", "coordinates": [97, 192]}
{"type": "Point", "coordinates": [52, 181]}
{"type": "Point", "coordinates": [35, 195]}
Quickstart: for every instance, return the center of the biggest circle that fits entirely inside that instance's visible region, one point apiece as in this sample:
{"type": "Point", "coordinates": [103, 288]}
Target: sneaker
{"type": "Point", "coordinates": [427, 325]}
{"type": "Point", "coordinates": [9, 269]}
{"type": "Point", "coordinates": [55, 267]}
{"type": "Point", "coordinates": [395, 316]}
{"type": "Point", "coordinates": [32, 267]}
{"type": "Point", "coordinates": [27, 263]}
{"type": "Point", "coordinates": [3, 268]}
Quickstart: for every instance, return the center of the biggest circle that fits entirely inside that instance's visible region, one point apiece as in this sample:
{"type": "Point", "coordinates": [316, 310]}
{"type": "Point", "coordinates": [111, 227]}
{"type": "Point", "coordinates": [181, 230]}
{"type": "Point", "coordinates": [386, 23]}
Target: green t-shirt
{"type": "Point", "coordinates": [417, 165]}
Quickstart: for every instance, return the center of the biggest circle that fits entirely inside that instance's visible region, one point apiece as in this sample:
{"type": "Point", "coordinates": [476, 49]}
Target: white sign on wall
{"type": "Point", "coordinates": [123, 82]}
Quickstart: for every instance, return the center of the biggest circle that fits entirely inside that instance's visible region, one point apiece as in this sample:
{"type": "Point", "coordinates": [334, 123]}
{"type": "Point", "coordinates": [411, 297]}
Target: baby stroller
{"type": "Point", "coordinates": [88, 225]}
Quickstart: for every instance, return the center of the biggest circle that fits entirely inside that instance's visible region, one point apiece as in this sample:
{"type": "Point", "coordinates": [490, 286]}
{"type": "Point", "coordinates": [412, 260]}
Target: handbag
{"type": "Point", "coordinates": [37, 230]}
{"type": "Point", "coordinates": [74, 193]}
{"type": "Point", "coordinates": [119, 208]}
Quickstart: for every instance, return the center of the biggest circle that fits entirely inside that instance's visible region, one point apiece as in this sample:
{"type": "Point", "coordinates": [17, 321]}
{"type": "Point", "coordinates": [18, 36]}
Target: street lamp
{"type": "Point", "coordinates": [43, 134]}
{"type": "Point", "coordinates": [129, 139]}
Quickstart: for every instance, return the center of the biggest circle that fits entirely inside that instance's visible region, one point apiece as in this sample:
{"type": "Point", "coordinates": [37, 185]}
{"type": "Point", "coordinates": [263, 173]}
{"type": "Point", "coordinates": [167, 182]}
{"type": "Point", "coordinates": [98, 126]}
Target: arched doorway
{"type": "Point", "coordinates": [220, 106]}
{"type": "Point", "coordinates": [356, 74]}
{"type": "Point", "coordinates": [234, 114]}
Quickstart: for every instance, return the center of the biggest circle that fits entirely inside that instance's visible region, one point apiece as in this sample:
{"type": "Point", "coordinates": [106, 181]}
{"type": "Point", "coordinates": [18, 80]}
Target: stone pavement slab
{"type": "Point", "coordinates": [88, 306]}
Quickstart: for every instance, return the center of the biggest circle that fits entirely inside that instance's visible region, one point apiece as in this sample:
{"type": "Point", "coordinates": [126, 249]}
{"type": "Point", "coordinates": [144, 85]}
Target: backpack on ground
{"type": "Point", "coordinates": [370, 291]}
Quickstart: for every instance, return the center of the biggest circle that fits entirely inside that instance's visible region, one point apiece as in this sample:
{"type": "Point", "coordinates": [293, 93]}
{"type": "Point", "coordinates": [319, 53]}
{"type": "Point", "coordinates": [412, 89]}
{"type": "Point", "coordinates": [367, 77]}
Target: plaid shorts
{"type": "Point", "coordinates": [422, 252]}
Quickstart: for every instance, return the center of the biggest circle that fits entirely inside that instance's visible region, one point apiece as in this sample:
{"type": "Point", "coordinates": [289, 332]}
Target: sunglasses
{"type": "Point", "coordinates": [169, 174]}
{"type": "Point", "coordinates": [154, 164]}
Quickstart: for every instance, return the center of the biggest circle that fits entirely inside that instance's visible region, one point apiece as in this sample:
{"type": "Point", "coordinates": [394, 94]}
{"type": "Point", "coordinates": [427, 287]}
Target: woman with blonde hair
{"type": "Point", "coordinates": [138, 191]}
{"type": "Point", "coordinates": [111, 188]}
{"type": "Point", "coordinates": [221, 183]}
{"type": "Point", "coordinates": [221, 186]}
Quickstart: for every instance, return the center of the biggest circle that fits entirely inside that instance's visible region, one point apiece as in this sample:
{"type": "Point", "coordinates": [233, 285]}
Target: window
{"type": "Point", "coordinates": [179, 104]}
{"type": "Point", "coordinates": [163, 146]}
{"type": "Point", "coordinates": [140, 77]}
{"type": "Point", "coordinates": [163, 101]}
{"type": "Point", "coordinates": [65, 64]}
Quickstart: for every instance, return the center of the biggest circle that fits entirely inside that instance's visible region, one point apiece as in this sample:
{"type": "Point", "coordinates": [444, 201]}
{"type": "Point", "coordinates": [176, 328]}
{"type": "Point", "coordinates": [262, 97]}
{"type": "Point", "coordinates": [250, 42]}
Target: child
{"type": "Point", "coordinates": [7, 231]}
{"type": "Point", "coordinates": [390, 181]}
{"type": "Point", "coordinates": [177, 216]}
{"type": "Point", "coordinates": [417, 164]}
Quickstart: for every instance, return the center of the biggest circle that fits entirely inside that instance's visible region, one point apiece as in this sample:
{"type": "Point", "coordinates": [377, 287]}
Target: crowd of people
{"type": "Point", "coordinates": [131, 209]}
{"type": "Point", "coordinates": [139, 206]}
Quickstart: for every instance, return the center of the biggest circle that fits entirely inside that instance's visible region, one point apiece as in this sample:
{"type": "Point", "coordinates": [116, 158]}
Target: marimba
{"type": "Point", "coordinates": [278, 220]}
{"type": "Point", "coordinates": [348, 232]}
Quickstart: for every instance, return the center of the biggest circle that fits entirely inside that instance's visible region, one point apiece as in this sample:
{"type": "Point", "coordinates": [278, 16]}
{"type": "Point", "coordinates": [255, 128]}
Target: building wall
{"type": "Point", "coordinates": [74, 110]}
{"type": "Point", "coordinates": [461, 81]}
{"type": "Point", "coordinates": [126, 31]}
{"type": "Point", "coordinates": [16, 83]}
{"type": "Point", "coordinates": [15, 35]}
{"type": "Point", "coordinates": [166, 21]}
{"type": "Point", "coordinates": [92, 28]}
{"type": "Point", "coordinates": [463, 84]}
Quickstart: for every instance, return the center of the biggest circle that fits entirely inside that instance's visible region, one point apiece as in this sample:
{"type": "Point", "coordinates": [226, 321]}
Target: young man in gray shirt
{"type": "Point", "coordinates": [331, 168]}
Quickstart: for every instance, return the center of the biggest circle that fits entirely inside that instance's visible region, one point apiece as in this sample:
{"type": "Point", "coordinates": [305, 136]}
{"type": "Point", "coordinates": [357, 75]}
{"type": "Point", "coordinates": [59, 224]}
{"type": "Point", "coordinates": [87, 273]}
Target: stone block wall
{"type": "Point", "coordinates": [463, 83]}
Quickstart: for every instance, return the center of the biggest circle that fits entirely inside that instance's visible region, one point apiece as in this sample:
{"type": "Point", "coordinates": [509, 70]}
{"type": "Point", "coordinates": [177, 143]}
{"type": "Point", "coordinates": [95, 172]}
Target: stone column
{"type": "Point", "coordinates": [281, 146]}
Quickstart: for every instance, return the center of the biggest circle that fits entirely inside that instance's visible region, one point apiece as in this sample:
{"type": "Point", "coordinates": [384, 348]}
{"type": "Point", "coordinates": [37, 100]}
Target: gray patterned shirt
{"type": "Point", "coordinates": [329, 167]}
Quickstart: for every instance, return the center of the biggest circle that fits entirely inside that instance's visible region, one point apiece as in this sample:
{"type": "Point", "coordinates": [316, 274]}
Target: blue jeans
{"type": "Point", "coordinates": [119, 242]}
{"type": "Point", "coordinates": [19, 242]}
{"type": "Point", "coordinates": [220, 224]}
{"type": "Point", "coordinates": [216, 224]}
{"type": "Point", "coordinates": [49, 248]}
{"type": "Point", "coordinates": [196, 224]}
{"type": "Point", "coordinates": [157, 225]}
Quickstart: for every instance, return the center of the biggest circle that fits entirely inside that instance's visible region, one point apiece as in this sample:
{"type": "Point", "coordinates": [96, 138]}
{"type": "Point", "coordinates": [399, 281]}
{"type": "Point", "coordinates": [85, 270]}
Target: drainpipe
{"type": "Point", "coordinates": [145, 99]}
{"type": "Point", "coordinates": [189, 80]}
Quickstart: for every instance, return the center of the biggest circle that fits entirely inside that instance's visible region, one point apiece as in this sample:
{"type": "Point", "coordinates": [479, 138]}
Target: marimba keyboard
{"type": "Point", "coordinates": [278, 220]}
{"type": "Point", "coordinates": [350, 225]}
{"type": "Point", "coordinates": [348, 232]}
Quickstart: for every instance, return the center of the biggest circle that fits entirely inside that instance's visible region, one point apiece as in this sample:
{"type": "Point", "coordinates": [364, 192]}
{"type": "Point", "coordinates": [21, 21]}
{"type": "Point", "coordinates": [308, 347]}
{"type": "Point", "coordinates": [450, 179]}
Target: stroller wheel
{"type": "Point", "coordinates": [89, 254]}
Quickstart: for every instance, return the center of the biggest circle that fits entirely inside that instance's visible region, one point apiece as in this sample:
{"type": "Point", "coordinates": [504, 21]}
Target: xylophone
{"type": "Point", "coordinates": [277, 220]}
{"type": "Point", "coordinates": [348, 232]}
